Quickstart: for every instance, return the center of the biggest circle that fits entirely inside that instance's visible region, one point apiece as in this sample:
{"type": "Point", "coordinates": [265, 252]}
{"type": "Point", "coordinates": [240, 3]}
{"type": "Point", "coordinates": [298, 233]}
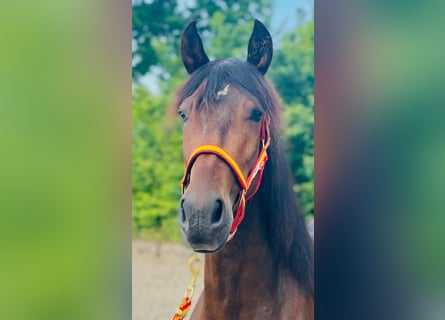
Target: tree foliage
{"type": "Point", "coordinates": [225, 27]}
{"type": "Point", "coordinates": [293, 66]}
{"type": "Point", "coordinates": [157, 164]}
{"type": "Point", "coordinates": [158, 20]}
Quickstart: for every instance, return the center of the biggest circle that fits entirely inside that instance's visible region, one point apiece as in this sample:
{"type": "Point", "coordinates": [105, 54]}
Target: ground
{"type": "Point", "coordinates": [160, 277]}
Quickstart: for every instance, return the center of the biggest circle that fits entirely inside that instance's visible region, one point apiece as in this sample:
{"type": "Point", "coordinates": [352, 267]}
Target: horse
{"type": "Point", "coordinates": [238, 206]}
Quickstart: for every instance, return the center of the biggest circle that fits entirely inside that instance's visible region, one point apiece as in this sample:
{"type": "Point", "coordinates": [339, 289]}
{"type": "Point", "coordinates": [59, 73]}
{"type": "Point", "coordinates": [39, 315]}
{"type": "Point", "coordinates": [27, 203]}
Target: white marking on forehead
{"type": "Point", "coordinates": [222, 92]}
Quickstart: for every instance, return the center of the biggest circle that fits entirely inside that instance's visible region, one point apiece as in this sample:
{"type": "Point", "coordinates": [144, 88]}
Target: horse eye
{"type": "Point", "coordinates": [255, 115]}
{"type": "Point", "coordinates": [182, 115]}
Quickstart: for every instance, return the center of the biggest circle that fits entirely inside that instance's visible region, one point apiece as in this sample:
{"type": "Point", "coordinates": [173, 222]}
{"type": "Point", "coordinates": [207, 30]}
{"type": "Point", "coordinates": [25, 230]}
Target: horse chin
{"type": "Point", "coordinates": [206, 244]}
{"type": "Point", "coordinates": [204, 249]}
{"type": "Point", "coordinates": [207, 251]}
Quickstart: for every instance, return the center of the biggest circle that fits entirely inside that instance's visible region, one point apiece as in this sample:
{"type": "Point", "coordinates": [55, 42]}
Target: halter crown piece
{"type": "Point", "coordinates": [243, 182]}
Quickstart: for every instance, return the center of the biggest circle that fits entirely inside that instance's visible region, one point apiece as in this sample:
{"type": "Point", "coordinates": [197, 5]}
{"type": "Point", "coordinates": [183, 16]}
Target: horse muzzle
{"type": "Point", "coordinates": [205, 220]}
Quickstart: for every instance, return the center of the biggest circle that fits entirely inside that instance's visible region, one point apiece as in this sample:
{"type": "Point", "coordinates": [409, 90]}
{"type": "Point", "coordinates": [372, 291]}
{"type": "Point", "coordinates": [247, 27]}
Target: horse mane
{"type": "Point", "coordinates": [286, 230]}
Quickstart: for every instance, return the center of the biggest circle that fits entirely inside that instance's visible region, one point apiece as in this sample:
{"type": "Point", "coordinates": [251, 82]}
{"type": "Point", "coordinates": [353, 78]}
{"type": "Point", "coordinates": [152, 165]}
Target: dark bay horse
{"type": "Point", "coordinates": [238, 205]}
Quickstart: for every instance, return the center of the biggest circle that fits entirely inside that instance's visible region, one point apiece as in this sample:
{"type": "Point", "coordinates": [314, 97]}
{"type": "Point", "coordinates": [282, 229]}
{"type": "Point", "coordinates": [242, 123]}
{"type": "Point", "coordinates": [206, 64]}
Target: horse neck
{"type": "Point", "coordinates": [246, 277]}
{"type": "Point", "coordinates": [244, 264]}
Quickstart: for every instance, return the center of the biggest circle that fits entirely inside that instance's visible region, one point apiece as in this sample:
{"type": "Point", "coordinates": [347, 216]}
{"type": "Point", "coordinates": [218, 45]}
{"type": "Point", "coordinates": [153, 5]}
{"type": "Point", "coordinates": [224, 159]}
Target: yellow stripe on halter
{"type": "Point", "coordinates": [212, 149]}
{"type": "Point", "coordinates": [259, 165]}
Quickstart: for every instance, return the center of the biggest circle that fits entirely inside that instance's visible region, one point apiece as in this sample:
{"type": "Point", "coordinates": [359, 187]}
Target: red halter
{"type": "Point", "coordinates": [228, 159]}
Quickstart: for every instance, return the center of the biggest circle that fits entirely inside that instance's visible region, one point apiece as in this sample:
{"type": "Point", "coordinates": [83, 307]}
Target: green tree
{"type": "Point", "coordinates": [157, 165]}
{"type": "Point", "coordinates": [293, 65]}
{"type": "Point", "coordinates": [154, 21]}
{"type": "Point", "coordinates": [299, 143]}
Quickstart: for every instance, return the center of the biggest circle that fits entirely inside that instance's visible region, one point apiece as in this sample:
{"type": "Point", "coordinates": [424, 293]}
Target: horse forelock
{"type": "Point", "coordinates": [216, 75]}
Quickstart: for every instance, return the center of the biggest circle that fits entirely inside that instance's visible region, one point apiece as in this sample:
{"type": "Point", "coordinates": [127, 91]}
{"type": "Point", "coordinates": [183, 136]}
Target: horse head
{"type": "Point", "coordinates": [225, 137]}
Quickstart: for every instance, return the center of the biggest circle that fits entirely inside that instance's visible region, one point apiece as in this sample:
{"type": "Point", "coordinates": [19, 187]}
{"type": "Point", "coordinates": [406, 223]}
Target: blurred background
{"type": "Point", "coordinates": [380, 151]}
{"type": "Point", "coordinates": [65, 160]}
{"type": "Point", "coordinates": [160, 272]}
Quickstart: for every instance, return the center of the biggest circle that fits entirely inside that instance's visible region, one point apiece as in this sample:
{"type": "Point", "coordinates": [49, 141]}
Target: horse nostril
{"type": "Point", "coordinates": [217, 212]}
{"type": "Point", "coordinates": [183, 217]}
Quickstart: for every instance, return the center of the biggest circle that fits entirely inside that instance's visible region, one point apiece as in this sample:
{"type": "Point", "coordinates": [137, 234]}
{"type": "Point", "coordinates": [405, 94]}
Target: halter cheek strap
{"type": "Point", "coordinates": [244, 183]}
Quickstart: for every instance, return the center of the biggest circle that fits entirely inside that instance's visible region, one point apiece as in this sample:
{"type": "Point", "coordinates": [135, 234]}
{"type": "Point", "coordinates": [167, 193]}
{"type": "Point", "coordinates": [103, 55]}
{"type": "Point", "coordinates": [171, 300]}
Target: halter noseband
{"type": "Point", "coordinates": [228, 159]}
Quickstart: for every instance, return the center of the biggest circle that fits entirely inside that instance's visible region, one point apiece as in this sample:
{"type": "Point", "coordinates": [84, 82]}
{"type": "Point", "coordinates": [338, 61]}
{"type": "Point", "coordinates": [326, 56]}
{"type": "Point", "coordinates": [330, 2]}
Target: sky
{"type": "Point", "coordinates": [284, 14]}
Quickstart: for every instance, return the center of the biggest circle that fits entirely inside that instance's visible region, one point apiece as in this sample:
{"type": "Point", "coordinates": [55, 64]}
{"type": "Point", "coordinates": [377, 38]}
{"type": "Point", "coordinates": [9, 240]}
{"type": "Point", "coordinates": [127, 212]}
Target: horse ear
{"type": "Point", "coordinates": [260, 49]}
{"type": "Point", "coordinates": [192, 51]}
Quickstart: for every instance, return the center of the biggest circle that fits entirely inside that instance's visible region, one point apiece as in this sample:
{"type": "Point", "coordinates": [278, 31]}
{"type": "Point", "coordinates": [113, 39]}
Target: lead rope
{"type": "Point", "coordinates": [186, 302]}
